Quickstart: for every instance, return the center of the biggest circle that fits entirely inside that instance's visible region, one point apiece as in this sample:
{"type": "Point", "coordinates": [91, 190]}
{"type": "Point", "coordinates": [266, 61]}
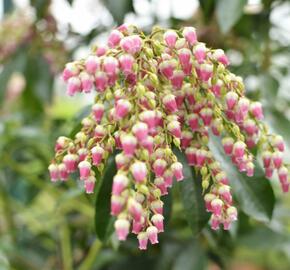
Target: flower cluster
{"type": "Point", "coordinates": [154, 92]}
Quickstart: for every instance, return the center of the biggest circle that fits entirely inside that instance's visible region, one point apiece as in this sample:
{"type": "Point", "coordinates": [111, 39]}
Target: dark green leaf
{"type": "Point", "coordinates": [70, 1]}
{"type": "Point", "coordinates": [191, 196]}
{"type": "Point", "coordinates": [228, 13]}
{"type": "Point", "coordinates": [207, 7]}
{"type": "Point", "coordinates": [8, 6]}
{"type": "Point", "coordinates": [41, 7]}
{"type": "Point", "coordinates": [103, 219]}
{"type": "Point", "coordinates": [254, 194]}
{"type": "Point", "coordinates": [119, 8]}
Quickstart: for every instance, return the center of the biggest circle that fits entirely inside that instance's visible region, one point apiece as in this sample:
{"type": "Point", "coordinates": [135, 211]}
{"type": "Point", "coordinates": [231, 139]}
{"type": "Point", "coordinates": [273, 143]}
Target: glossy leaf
{"type": "Point", "coordinates": [103, 219]}
{"type": "Point", "coordinates": [191, 196]}
{"type": "Point", "coordinates": [228, 13]}
{"type": "Point", "coordinates": [254, 194]}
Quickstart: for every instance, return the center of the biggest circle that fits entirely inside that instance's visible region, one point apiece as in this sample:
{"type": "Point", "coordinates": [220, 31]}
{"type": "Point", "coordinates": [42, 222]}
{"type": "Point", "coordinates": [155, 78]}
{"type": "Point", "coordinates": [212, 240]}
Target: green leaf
{"type": "Point", "coordinates": [191, 196]}
{"type": "Point", "coordinates": [103, 219]}
{"type": "Point", "coordinates": [228, 13]}
{"type": "Point", "coordinates": [8, 6]}
{"type": "Point", "coordinates": [254, 194]}
{"type": "Point", "coordinates": [207, 7]}
{"type": "Point", "coordinates": [119, 8]}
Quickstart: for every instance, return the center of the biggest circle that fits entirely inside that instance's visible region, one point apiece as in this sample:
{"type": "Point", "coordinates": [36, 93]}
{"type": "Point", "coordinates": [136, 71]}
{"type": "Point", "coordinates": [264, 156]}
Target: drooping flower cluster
{"type": "Point", "coordinates": [154, 92]}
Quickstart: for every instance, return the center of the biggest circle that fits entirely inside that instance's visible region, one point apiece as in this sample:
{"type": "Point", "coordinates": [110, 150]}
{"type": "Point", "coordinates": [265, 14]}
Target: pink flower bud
{"type": "Point", "coordinates": [232, 213]}
{"type": "Point", "coordinates": [122, 227]}
{"type": "Point", "coordinates": [54, 172]}
{"type": "Point", "coordinates": [208, 198]}
{"type": "Point", "coordinates": [269, 172]}
{"type": "Point", "coordinates": [231, 99]}
{"type": "Point", "coordinates": [186, 138]}
{"type": "Point", "coordinates": [152, 232]}
{"type": "Point", "coordinates": [221, 177]}
{"type": "Point", "coordinates": [114, 38]}
{"type": "Point", "coordinates": [201, 156]}
{"type": "Point", "coordinates": [184, 56]}
{"type": "Point", "coordinates": [148, 144]}
{"type": "Point", "coordinates": [85, 169]}
{"type": "Point", "coordinates": [267, 158]}
{"type": "Point", "coordinates": [149, 117]}
{"type": "Point", "coordinates": [70, 162]}
{"type": "Point", "coordinates": [63, 173]}
{"type": "Point", "coordinates": [174, 128]}
{"type": "Point", "coordinates": [120, 182]}
{"type": "Point", "coordinates": [137, 43]}
{"type": "Point", "coordinates": [143, 240]}
{"type": "Point", "coordinates": [122, 108]}
{"type": "Point", "coordinates": [205, 72]}
{"type": "Point", "coordinates": [191, 156]}
{"type": "Point", "coordinates": [137, 226]}
{"type": "Point", "coordinates": [131, 44]}
{"type": "Point", "coordinates": [121, 160]}
{"type": "Point", "coordinates": [170, 38]}
{"type": "Point", "coordinates": [135, 209]}
{"type": "Point", "coordinates": [168, 178]}
{"type": "Point", "coordinates": [177, 79]}
{"type": "Point", "coordinates": [61, 143]}
{"type": "Point", "coordinates": [92, 64]}
{"type": "Point", "coordinates": [219, 56]}
{"type": "Point", "coordinates": [193, 121]}
{"type": "Point", "coordinates": [99, 131]}
{"type": "Point", "coordinates": [285, 187]}
{"type": "Point", "coordinates": [101, 50]}
{"type": "Point", "coordinates": [167, 67]}
{"type": "Point", "coordinates": [110, 65]}
{"type": "Point", "coordinates": [206, 115]}
{"type": "Point", "coordinates": [73, 86]}
{"type": "Point", "coordinates": [83, 153]}
{"type": "Point", "coordinates": [70, 70]}
{"type": "Point", "coordinates": [98, 111]}
{"type": "Point", "coordinates": [199, 52]}
{"type": "Point", "coordinates": [97, 155]}
{"type": "Point", "coordinates": [117, 204]}
{"type": "Point", "coordinates": [87, 82]}
{"type": "Point", "coordinates": [214, 222]}
{"type": "Point", "coordinates": [126, 63]}
{"type": "Point", "coordinates": [283, 174]}
{"type": "Point", "coordinates": [277, 159]}
{"type": "Point", "coordinates": [177, 170]}
{"type": "Point", "coordinates": [159, 167]}
{"type": "Point", "coordinates": [90, 184]}
{"type": "Point", "coordinates": [190, 35]}
{"type": "Point", "coordinates": [157, 206]}
{"type": "Point", "coordinates": [140, 130]}
{"type": "Point", "coordinates": [250, 127]}
{"type": "Point", "coordinates": [278, 143]}
{"type": "Point", "coordinates": [157, 220]}
{"type": "Point", "coordinates": [101, 81]}
{"type": "Point", "coordinates": [129, 143]}
{"type": "Point", "coordinates": [243, 106]}
{"type": "Point", "coordinates": [239, 149]}
{"type": "Point", "coordinates": [139, 171]}
{"type": "Point", "coordinates": [161, 185]}
{"type": "Point", "coordinates": [170, 103]}
{"type": "Point", "coordinates": [250, 168]}
{"type": "Point", "coordinates": [224, 192]}
{"type": "Point", "coordinates": [257, 110]}
{"type": "Point", "coordinates": [216, 88]}
{"type": "Point", "coordinates": [217, 205]}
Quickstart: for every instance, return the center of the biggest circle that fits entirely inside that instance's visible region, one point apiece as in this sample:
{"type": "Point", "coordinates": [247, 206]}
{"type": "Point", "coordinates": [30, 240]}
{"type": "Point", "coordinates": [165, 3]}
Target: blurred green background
{"type": "Point", "coordinates": [52, 226]}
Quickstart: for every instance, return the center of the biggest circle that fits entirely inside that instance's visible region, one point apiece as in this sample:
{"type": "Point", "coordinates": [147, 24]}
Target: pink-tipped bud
{"type": "Point", "coordinates": [257, 110]}
{"type": "Point", "coordinates": [269, 172]}
{"type": "Point", "coordinates": [110, 65]}
{"type": "Point", "coordinates": [278, 143]}
{"type": "Point", "coordinates": [157, 206]}
{"type": "Point", "coordinates": [177, 79]}
{"type": "Point", "coordinates": [99, 131]}
{"type": "Point", "coordinates": [208, 198]}
{"type": "Point", "coordinates": [63, 173]}
{"type": "Point", "coordinates": [53, 172]}
{"type": "Point", "coordinates": [126, 63]}
{"type": "Point", "coordinates": [92, 64]}
{"type": "Point", "coordinates": [120, 182]}
{"type": "Point", "coordinates": [137, 226]}
{"type": "Point", "coordinates": [168, 178]}
{"type": "Point", "coordinates": [201, 156]}
{"type": "Point", "coordinates": [152, 233]}
{"type": "Point", "coordinates": [250, 168]}
{"type": "Point", "coordinates": [122, 227]}
{"type": "Point", "coordinates": [121, 160]}
{"type": "Point", "coordinates": [190, 35]}
{"type": "Point", "coordinates": [70, 70]}
{"type": "Point", "coordinates": [73, 86]}
{"type": "Point", "coordinates": [148, 144]}
{"type": "Point", "coordinates": [149, 117]}
{"type": "Point", "coordinates": [177, 170]}
{"type": "Point", "coordinates": [283, 174]}
{"type": "Point", "coordinates": [143, 240]}
{"type": "Point", "coordinates": [267, 158]}
{"type": "Point", "coordinates": [277, 159]}
{"type": "Point", "coordinates": [216, 88]}
{"type": "Point", "coordinates": [129, 143]}
{"type": "Point", "coordinates": [101, 81]}
{"type": "Point", "coordinates": [117, 204]}
{"type": "Point", "coordinates": [217, 206]}
{"type": "Point", "coordinates": [190, 153]}
{"type": "Point", "coordinates": [231, 99]}
{"type": "Point", "coordinates": [83, 153]}
{"type": "Point", "coordinates": [122, 108]}
{"type": "Point", "coordinates": [70, 162]}
{"type": "Point", "coordinates": [193, 121]}
{"type": "Point", "coordinates": [232, 213]}
{"type": "Point", "coordinates": [101, 50]}
{"type": "Point", "coordinates": [219, 56]}
{"type": "Point", "coordinates": [170, 103]}
{"type": "Point", "coordinates": [98, 111]}
{"type": "Point", "coordinates": [225, 192]}
{"type": "Point", "coordinates": [167, 68]}
{"type": "Point", "coordinates": [205, 72]}
{"type": "Point", "coordinates": [135, 209]}
{"type": "Point", "coordinates": [87, 82]}
{"type": "Point", "coordinates": [161, 185]}
{"type": "Point", "coordinates": [184, 56]}
{"type": "Point", "coordinates": [157, 220]}
{"type": "Point", "coordinates": [199, 52]}
{"type": "Point", "coordinates": [221, 177]}
{"type": "Point", "coordinates": [243, 106]}
{"type": "Point", "coordinates": [139, 171]}
{"type": "Point", "coordinates": [239, 149]}
{"type": "Point", "coordinates": [131, 44]}
{"type": "Point", "coordinates": [97, 155]}
{"type": "Point", "coordinates": [214, 222]}
{"type": "Point", "coordinates": [170, 38]}
{"type": "Point", "coordinates": [140, 130]}
{"type": "Point", "coordinates": [206, 115]}
{"type": "Point", "coordinates": [174, 128]}
{"type": "Point", "coordinates": [285, 187]}
{"type": "Point", "coordinates": [90, 184]}
{"type": "Point", "coordinates": [85, 169]}
{"type": "Point", "coordinates": [186, 138]}
{"type": "Point", "coordinates": [250, 127]}
{"type": "Point", "coordinates": [159, 167]}
{"type": "Point", "coordinates": [114, 38]}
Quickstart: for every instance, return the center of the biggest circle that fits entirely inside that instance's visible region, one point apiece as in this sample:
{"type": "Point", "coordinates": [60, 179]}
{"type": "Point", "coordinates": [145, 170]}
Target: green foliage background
{"type": "Point", "coordinates": [56, 226]}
